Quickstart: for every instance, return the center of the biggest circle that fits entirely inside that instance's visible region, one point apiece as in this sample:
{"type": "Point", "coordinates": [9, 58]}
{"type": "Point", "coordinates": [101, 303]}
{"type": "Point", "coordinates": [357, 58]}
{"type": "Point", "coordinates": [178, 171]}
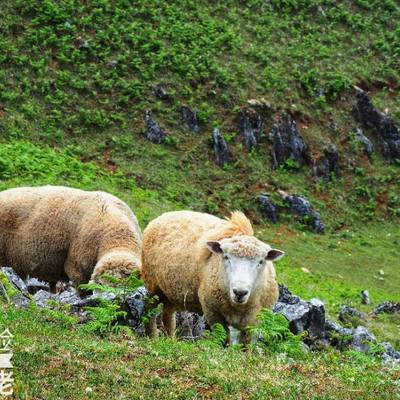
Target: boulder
{"type": "Point", "coordinates": [302, 315]}
{"type": "Point", "coordinates": [221, 151]}
{"type": "Point", "coordinates": [380, 124]}
{"type": "Point", "coordinates": [153, 131]}
{"type": "Point", "coordinates": [302, 209]}
{"type": "Point", "coordinates": [268, 208]}
{"type": "Point", "coordinates": [190, 118]}
{"type": "Point", "coordinates": [287, 143]}
{"type": "Point", "coordinates": [250, 126]}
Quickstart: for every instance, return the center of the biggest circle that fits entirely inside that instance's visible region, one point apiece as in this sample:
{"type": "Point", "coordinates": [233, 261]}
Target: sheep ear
{"type": "Point", "coordinates": [214, 247]}
{"type": "Point", "coordinates": [274, 255]}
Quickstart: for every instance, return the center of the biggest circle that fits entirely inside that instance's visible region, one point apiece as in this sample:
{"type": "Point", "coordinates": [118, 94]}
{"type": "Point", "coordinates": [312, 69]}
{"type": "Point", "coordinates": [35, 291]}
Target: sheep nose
{"type": "Point", "coordinates": [240, 293]}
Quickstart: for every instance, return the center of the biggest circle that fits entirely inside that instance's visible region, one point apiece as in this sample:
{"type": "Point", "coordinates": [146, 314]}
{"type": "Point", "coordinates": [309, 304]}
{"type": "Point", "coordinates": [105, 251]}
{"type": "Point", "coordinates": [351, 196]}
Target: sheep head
{"type": "Point", "coordinates": [243, 261]}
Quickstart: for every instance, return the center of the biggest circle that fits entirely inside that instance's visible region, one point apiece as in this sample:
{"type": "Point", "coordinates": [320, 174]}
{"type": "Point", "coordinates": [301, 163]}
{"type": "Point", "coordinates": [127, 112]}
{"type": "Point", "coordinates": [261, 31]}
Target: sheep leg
{"type": "Point", "coordinates": [153, 301]}
{"type": "Point", "coordinates": [168, 319]}
{"type": "Point", "coordinates": [151, 327]}
{"type": "Point", "coordinates": [245, 337]}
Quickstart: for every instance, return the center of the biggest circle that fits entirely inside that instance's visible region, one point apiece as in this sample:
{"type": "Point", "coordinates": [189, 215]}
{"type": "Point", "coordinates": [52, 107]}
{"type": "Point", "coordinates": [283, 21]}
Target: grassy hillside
{"type": "Point", "coordinates": [76, 78]}
{"type": "Point", "coordinates": [80, 75]}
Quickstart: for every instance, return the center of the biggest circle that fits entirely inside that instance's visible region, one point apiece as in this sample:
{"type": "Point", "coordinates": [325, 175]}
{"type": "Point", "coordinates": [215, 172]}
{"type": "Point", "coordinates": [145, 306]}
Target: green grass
{"type": "Point", "coordinates": [138, 368]}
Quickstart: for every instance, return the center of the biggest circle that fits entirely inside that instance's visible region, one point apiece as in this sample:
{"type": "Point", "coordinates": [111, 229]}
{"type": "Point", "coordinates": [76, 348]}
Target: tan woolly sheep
{"type": "Point", "coordinates": [56, 233]}
{"type": "Point", "coordinates": [201, 263]}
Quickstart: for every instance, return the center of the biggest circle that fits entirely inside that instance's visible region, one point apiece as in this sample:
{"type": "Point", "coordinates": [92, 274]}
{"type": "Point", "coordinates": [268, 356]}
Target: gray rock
{"type": "Point", "coordinates": [15, 280]}
{"type": "Point", "coordinates": [135, 306]}
{"type": "Point", "coordinates": [41, 298]}
{"type": "Point", "coordinates": [250, 126]}
{"type": "Point", "coordinates": [68, 296]}
{"type": "Point", "coordinates": [20, 300]}
{"type": "Point", "coordinates": [153, 131]}
{"type": "Point", "coordinates": [287, 143]}
{"type": "Point", "coordinates": [34, 285]}
{"type": "Point", "coordinates": [346, 314]}
{"type": "Point", "coordinates": [190, 325]}
{"type": "Point", "coordinates": [365, 299]}
{"type": "Point", "coordinates": [362, 339]}
{"type": "Point", "coordinates": [304, 211]}
{"type": "Point", "coordinates": [89, 301]}
{"type": "Point", "coordinates": [303, 315]}
{"type": "Point", "coordinates": [380, 124]}
{"type": "Point", "coordinates": [365, 142]}
{"type": "Point", "coordinates": [286, 296]}
{"type": "Point", "coordinates": [221, 151]}
{"type": "Point", "coordinates": [268, 208]}
{"type": "Point", "coordinates": [190, 118]}
{"type": "Point", "coordinates": [331, 326]}
{"type": "Point", "coordinates": [389, 307]}
{"type": "Point", "coordinates": [161, 92]}
{"type": "Point", "coordinates": [327, 165]}
{"type": "Point", "coordinates": [390, 355]}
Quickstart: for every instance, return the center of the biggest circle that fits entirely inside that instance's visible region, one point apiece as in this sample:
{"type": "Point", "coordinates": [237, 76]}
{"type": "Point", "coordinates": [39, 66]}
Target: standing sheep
{"type": "Point", "coordinates": [56, 233]}
{"type": "Point", "coordinates": [200, 263]}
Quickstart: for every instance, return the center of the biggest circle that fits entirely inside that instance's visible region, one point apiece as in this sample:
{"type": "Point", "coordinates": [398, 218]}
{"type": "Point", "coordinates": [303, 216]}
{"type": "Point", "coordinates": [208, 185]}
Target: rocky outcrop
{"type": "Point", "coordinates": [250, 126]}
{"type": "Point", "coordinates": [327, 165]}
{"type": "Point", "coordinates": [287, 143]}
{"type": "Point", "coordinates": [268, 209]}
{"type": "Point", "coordinates": [153, 131]}
{"type": "Point", "coordinates": [380, 124]}
{"type": "Point", "coordinates": [309, 316]}
{"type": "Point", "coordinates": [221, 151]}
{"type": "Point", "coordinates": [190, 118]}
{"type": "Point", "coordinates": [302, 209]}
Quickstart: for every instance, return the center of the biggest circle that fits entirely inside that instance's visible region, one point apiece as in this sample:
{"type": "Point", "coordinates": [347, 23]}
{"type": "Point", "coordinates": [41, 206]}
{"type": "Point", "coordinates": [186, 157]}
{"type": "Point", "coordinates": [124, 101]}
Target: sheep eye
{"type": "Point", "coordinates": [261, 262]}
{"type": "Point", "coordinates": [226, 258]}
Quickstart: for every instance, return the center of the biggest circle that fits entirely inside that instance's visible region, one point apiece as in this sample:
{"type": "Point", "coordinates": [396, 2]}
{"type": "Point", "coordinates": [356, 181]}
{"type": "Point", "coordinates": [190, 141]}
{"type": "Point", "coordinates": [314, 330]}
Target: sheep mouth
{"type": "Point", "coordinates": [238, 302]}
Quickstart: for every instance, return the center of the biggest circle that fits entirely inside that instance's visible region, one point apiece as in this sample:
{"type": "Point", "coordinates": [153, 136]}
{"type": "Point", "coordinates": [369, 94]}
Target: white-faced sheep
{"type": "Point", "coordinates": [56, 233]}
{"type": "Point", "coordinates": [200, 263]}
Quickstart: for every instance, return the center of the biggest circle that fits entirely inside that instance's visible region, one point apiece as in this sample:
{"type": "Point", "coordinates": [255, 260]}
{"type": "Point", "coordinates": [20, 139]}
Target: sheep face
{"type": "Point", "coordinates": [243, 260]}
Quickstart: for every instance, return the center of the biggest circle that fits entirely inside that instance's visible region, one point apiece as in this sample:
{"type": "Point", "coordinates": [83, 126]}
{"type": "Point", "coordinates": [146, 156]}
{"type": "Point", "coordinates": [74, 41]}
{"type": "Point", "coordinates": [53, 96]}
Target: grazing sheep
{"type": "Point", "coordinates": [200, 263]}
{"type": "Point", "coordinates": [56, 233]}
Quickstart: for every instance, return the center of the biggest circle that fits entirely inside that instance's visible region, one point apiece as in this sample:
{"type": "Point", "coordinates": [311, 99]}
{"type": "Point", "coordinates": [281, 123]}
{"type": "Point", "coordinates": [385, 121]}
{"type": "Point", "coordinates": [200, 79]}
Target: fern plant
{"type": "Point", "coordinates": [108, 316]}
{"type": "Point", "coordinates": [274, 334]}
{"type": "Point", "coordinates": [218, 336]}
